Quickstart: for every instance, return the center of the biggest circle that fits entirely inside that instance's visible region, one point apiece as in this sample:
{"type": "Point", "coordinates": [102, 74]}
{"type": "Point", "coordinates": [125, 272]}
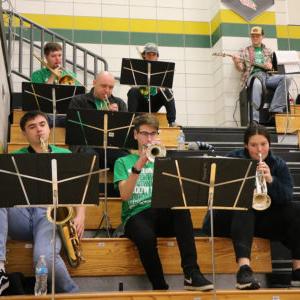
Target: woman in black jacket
{"type": "Point", "coordinates": [279, 222]}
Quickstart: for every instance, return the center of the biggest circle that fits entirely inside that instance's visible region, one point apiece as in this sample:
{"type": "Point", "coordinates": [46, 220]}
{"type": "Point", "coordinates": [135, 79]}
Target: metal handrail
{"type": "Point", "coordinates": [42, 31]}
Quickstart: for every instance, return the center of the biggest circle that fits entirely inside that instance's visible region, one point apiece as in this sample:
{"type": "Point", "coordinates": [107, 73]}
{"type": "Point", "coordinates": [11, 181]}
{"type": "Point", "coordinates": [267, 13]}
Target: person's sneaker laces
{"type": "Point", "coordinates": [245, 279]}
{"type": "Point", "coordinates": [4, 283]}
{"type": "Point", "coordinates": [197, 282]}
{"type": "Point", "coordinates": [295, 282]}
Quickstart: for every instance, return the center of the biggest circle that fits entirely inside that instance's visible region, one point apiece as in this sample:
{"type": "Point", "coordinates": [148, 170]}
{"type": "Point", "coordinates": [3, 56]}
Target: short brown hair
{"type": "Point", "coordinates": [51, 47]}
{"type": "Point", "coordinates": [145, 119]}
{"type": "Point", "coordinates": [30, 115]}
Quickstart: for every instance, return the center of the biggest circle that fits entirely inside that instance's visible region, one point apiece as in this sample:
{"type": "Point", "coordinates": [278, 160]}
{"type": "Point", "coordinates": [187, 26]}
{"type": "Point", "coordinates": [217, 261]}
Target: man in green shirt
{"type": "Point", "coordinates": [53, 56]}
{"type": "Point", "coordinates": [133, 175]}
{"type": "Point", "coordinates": [254, 62]}
{"type": "Point", "coordinates": [31, 223]}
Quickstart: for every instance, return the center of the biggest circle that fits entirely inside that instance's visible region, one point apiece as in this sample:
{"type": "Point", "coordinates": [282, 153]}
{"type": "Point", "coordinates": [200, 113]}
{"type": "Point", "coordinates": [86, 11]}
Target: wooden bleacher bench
{"type": "Point", "coordinates": [287, 123]}
{"type": "Point", "coordinates": [16, 135]}
{"type": "Point", "coordinates": [295, 109]}
{"type": "Point", "coordinates": [168, 135]}
{"type": "Point", "coordinates": [95, 213]}
{"type": "Point", "coordinates": [118, 256]}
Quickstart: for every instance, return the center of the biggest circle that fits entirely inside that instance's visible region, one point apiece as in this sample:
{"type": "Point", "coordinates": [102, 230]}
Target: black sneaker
{"type": "Point", "coordinates": [4, 283]}
{"type": "Point", "coordinates": [197, 282]}
{"type": "Point", "coordinates": [245, 279]}
{"type": "Point", "coordinates": [295, 282]}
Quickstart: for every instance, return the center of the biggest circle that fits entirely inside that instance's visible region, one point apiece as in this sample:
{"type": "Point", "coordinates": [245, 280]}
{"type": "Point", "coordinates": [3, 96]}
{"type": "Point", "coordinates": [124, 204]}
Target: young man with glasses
{"type": "Point", "coordinates": [133, 175]}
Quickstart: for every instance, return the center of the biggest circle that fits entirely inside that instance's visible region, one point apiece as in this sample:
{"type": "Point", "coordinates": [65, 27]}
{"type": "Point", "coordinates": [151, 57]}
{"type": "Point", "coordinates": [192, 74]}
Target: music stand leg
{"type": "Point", "coordinates": [53, 253]}
{"type": "Point", "coordinates": [54, 113]}
{"type": "Point", "coordinates": [105, 217]}
{"type": "Point", "coordinates": [212, 241]}
{"type": "Point", "coordinates": [55, 202]}
{"type": "Point", "coordinates": [213, 170]}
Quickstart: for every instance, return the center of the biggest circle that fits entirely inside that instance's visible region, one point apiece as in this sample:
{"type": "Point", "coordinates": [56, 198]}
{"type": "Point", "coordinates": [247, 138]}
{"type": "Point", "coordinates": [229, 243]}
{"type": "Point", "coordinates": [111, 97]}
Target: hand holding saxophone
{"type": "Point", "coordinates": [79, 221]}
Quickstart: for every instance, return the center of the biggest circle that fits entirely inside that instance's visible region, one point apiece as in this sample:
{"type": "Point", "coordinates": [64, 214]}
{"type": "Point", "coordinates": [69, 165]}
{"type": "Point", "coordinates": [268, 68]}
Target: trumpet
{"type": "Point", "coordinates": [261, 199]}
{"type": "Point", "coordinates": [66, 79]}
{"type": "Point", "coordinates": [155, 150]}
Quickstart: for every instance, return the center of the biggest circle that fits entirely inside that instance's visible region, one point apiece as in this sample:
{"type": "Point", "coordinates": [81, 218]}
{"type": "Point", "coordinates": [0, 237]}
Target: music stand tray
{"type": "Point", "coordinates": [26, 180]}
{"type": "Point", "coordinates": [140, 72]}
{"type": "Point", "coordinates": [46, 97]}
{"type": "Point", "coordinates": [187, 183]}
{"type": "Point", "coordinates": [100, 128]}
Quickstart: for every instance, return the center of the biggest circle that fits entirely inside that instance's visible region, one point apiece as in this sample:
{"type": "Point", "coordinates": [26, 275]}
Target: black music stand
{"type": "Point", "coordinates": [49, 180]}
{"type": "Point", "coordinates": [211, 182]}
{"type": "Point", "coordinates": [102, 129]}
{"type": "Point", "coordinates": [140, 72]}
{"type": "Point", "coordinates": [99, 128]}
{"type": "Point", "coordinates": [49, 98]}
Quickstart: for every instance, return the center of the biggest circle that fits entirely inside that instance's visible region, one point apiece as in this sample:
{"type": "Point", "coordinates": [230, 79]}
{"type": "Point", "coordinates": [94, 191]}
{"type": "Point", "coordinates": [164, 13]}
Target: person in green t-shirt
{"type": "Point", "coordinates": [31, 224]}
{"type": "Point", "coordinates": [133, 175]}
{"type": "Point", "coordinates": [254, 62]}
{"type": "Point", "coordinates": [53, 56]}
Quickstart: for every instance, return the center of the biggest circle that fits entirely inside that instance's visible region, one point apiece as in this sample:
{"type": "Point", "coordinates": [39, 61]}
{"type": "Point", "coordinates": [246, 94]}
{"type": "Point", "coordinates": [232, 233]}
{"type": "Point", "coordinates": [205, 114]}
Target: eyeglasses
{"type": "Point", "coordinates": [146, 134]}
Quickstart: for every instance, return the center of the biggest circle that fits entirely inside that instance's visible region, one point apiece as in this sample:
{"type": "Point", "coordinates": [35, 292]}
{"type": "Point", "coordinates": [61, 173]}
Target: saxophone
{"type": "Point", "coordinates": [67, 232]}
{"type": "Point", "coordinates": [65, 226]}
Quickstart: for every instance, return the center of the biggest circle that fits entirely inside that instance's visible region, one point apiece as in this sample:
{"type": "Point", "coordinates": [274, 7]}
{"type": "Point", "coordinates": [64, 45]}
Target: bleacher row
{"type": "Point", "coordinates": [118, 256]}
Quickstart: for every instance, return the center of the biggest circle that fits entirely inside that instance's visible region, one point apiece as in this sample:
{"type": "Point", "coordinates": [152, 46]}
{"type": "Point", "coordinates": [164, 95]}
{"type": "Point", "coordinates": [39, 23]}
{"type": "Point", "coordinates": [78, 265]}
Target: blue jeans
{"type": "Point", "coordinates": [274, 82]}
{"type": "Point", "coordinates": [31, 224]}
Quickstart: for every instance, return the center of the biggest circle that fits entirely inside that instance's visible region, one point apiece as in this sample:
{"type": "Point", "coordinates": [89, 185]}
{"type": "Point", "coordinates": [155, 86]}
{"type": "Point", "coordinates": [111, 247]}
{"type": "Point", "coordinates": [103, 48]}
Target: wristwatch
{"type": "Point", "coordinates": [134, 170]}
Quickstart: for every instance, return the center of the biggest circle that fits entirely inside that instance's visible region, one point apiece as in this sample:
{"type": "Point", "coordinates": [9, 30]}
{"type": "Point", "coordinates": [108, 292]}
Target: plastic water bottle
{"type": "Point", "coordinates": [181, 141]}
{"type": "Point", "coordinates": [41, 274]}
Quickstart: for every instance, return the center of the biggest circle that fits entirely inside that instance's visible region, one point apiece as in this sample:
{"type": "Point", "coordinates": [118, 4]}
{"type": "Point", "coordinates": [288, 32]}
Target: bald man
{"type": "Point", "coordinates": [100, 96]}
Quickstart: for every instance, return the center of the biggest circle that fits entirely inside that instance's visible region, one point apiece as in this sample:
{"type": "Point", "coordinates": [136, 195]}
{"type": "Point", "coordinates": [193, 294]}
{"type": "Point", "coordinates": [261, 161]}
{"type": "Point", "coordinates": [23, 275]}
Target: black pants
{"type": "Point", "coordinates": [278, 223]}
{"type": "Point", "coordinates": [138, 103]}
{"type": "Point", "coordinates": [144, 228]}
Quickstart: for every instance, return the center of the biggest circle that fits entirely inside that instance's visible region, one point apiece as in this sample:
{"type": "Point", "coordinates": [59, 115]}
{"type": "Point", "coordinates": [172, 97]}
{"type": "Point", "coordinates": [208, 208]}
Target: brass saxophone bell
{"type": "Point", "coordinates": [68, 233]}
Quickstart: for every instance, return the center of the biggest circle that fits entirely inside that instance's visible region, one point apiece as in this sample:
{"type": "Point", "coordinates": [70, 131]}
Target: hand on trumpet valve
{"type": "Point", "coordinates": [265, 170]}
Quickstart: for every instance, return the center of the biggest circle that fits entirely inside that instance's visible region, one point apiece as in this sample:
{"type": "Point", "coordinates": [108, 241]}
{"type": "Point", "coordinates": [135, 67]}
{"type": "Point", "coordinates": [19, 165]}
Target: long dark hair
{"type": "Point", "coordinates": [256, 129]}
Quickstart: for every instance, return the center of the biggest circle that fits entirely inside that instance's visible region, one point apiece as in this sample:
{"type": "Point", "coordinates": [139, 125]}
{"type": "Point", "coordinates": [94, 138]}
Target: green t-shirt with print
{"type": "Point", "coordinates": [54, 149]}
{"type": "Point", "coordinates": [42, 75]}
{"type": "Point", "coordinates": [258, 59]}
{"type": "Point", "coordinates": [142, 194]}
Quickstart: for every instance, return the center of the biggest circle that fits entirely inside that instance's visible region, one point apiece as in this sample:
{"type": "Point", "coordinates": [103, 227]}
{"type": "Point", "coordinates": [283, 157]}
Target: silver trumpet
{"type": "Point", "coordinates": [155, 150]}
{"type": "Point", "coordinates": [261, 199]}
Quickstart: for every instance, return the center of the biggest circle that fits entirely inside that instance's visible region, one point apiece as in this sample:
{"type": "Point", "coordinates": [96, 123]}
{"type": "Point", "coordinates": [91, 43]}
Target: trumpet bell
{"type": "Point", "coordinates": [155, 150]}
{"type": "Point", "coordinates": [261, 201]}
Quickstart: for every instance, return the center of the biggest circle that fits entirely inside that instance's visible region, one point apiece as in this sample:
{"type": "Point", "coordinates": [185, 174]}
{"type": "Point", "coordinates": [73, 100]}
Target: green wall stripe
{"type": "Point", "coordinates": [288, 44]}
{"type": "Point", "coordinates": [168, 40]}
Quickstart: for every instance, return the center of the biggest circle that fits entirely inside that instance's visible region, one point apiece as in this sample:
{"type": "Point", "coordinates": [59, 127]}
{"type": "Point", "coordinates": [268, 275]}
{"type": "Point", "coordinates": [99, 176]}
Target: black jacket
{"type": "Point", "coordinates": [281, 188]}
{"type": "Point", "coordinates": [87, 101]}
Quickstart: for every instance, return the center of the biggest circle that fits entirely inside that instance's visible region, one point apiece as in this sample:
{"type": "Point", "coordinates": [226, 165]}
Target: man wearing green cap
{"type": "Point", "coordinates": [138, 97]}
{"type": "Point", "coordinates": [256, 60]}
